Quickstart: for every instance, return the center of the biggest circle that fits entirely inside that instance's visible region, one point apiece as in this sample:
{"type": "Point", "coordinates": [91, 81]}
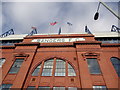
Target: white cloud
{"type": "Point", "coordinates": [59, 0]}
{"type": "Point", "coordinates": [22, 15]}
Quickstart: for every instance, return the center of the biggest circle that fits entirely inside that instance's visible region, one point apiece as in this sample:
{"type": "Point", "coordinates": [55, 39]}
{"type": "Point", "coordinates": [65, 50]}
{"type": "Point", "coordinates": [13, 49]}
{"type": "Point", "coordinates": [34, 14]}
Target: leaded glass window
{"type": "Point", "coordinates": [16, 66]}
{"type": "Point", "coordinates": [2, 61]}
{"type": "Point", "coordinates": [71, 71]}
{"type": "Point", "coordinates": [116, 64]}
{"type": "Point", "coordinates": [48, 67]}
{"type": "Point", "coordinates": [43, 88]}
{"type": "Point", "coordinates": [72, 88]}
{"type": "Point", "coordinates": [99, 88]}
{"type": "Point", "coordinates": [93, 66]}
{"type": "Point", "coordinates": [36, 71]}
{"type": "Point", "coordinates": [6, 86]}
{"type": "Point", "coordinates": [60, 68]}
{"type": "Point", "coordinates": [31, 88]}
{"type": "Point", "coordinates": [58, 88]}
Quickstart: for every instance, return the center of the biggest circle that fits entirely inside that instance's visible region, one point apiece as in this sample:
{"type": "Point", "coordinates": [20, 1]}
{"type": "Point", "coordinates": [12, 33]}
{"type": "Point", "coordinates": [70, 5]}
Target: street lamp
{"type": "Point", "coordinates": [97, 13]}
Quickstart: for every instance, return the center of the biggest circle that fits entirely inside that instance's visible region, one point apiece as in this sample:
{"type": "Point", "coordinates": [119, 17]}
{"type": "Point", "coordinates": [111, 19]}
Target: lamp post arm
{"type": "Point", "coordinates": [110, 10]}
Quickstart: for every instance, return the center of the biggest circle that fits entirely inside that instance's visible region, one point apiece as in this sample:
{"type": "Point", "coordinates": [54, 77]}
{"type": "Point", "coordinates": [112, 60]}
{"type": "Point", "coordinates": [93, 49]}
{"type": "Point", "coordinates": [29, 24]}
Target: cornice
{"type": "Point", "coordinates": [111, 45]}
{"type": "Point", "coordinates": [59, 36]}
{"type": "Point", "coordinates": [7, 47]}
{"type": "Point", "coordinates": [27, 44]}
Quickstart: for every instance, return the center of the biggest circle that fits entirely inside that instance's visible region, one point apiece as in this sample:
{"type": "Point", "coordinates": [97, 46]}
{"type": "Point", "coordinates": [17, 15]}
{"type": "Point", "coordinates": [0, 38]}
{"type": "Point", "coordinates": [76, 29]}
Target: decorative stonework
{"type": "Point", "coordinates": [91, 55]}
{"type": "Point", "coordinates": [22, 55]}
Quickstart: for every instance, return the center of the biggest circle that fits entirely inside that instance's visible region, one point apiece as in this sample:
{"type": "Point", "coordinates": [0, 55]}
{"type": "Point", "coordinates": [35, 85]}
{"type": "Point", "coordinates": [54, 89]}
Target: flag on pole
{"type": "Point", "coordinates": [9, 32]}
{"type": "Point", "coordinates": [70, 24]}
{"type": "Point", "coordinates": [87, 30]}
{"type": "Point", "coordinates": [59, 31]}
{"type": "Point", "coordinates": [33, 27]}
{"type": "Point", "coordinates": [34, 31]}
{"type": "Point", "coordinates": [53, 23]}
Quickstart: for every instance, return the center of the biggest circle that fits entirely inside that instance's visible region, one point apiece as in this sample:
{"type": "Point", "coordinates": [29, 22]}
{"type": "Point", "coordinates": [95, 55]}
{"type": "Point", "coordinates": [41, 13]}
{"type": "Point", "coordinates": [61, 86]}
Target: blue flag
{"type": "Point", "coordinates": [9, 32]}
{"type": "Point", "coordinates": [115, 29]}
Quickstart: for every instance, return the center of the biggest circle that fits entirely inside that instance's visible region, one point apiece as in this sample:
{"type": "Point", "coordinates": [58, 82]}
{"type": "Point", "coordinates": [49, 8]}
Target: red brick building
{"type": "Point", "coordinates": [71, 61]}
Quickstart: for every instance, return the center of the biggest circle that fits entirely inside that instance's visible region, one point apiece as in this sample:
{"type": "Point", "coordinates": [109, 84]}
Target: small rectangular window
{"type": "Point", "coordinates": [72, 88]}
{"type": "Point", "coordinates": [93, 66]}
{"type": "Point", "coordinates": [2, 61]}
{"type": "Point", "coordinates": [99, 88]}
{"type": "Point", "coordinates": [16, 66]}
{"type": "Point", "coordinates": [43, 88]}
{"type": "Point", "coordinates": [31, 88]}
{"type": "Point", "coordinates": [58, 88]}
{"type": "Point", "coordinates": [6, 86]}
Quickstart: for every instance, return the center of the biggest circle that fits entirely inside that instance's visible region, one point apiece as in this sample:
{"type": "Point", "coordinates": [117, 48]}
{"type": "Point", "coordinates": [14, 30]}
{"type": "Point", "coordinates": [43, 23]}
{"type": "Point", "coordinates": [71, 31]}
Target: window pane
{"type": "Point", "coordinates": [60, 68]}
{"type": "Point", "coordinates": [72, 88]}
{"type": "Point", "coordinates": [116, 64]}
{"type": "Point", "coordinates": [47, 69]}
{"type": "Point", "coordinates": [99, 88]}
{"type": "Point", "coordinates": [71, 71]}
{"type": "Point", "coordinates": [2, 60]}
{"type": "Point", "coordinates": [44, 88]}
{"type": "Point", "coordinates": [31, 88]}
{"type": "Point", "coordinates": [14, 70]}
{"type": "Point", "coordinates": [16, 66]}
{"type": "Point", "coordinates": [6, 86]}
{"type": "Point", "coordinates": [58, 88]}
{"type": "Point", "coordinates": [36, 71]}
{"type": "Point", "coordinates": [93, 66]}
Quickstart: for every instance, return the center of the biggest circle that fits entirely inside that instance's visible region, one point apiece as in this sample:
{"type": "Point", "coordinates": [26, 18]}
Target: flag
{"type": "Point", "coordinates": [34, 31]}
{"type": "Point", "coordinates": [115, 29]}
{"type": "Point", "coordinates": [87, 30]}
{"type": "Point", "coordinates": [70, 24]}
{"type": "Point", "coordinates": [9, 32]}
{"type": "Point", "coordinates": [59, 31]}
{"type": "Point", "coordinates": [53, 23]}
{"type": "Point", "coordinates": [33, 27]}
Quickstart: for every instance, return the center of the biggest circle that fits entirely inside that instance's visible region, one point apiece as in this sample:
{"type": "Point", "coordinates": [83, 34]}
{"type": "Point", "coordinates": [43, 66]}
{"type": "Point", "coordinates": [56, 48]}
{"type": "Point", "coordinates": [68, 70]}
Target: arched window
{"type": "Point", "coordinates": [36, 71]}
{"type": "Point", "coordinates": [56, 67]}
{"type": "Point", "coordinates": [116, 63]}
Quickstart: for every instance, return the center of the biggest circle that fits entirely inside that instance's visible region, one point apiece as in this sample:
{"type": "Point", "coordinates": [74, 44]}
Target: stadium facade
{"type": "Point", "coordinates": [59, 62]}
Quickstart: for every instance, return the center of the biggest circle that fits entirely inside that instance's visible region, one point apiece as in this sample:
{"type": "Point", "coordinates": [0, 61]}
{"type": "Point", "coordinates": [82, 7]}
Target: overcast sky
{"type": "Point", "coordinates": [21, 16]}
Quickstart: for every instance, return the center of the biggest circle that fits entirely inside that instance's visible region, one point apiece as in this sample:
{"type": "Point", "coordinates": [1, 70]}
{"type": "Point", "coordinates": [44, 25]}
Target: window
{"type": "Point", "coordinates": [58, 88]}
{"type": "Point", "coordinates": [6, 86]}
{"type": "Point", "coordinates": [71, 71]}
{"type": "Point", "coordinates": [116, 63]}
{"type": "Point", "coordinates": [93, 66]}
{"type": "Point", "coordinates": [56, 67]}
{"type": "Point", "coordinates": [99, 88]}
{"type": "Point", "coordinates": [2, 60]}
{"type": "Point", "coordinates": [16, 66]}
{"type": "Point", "coordinates": [72, 88]}
{"type": "Point", "coordinates": [47, 69]}
{"type": "Point", "coordinates": [60, 68]}
{"type": "Point", "coordinates": [31, 88]}
{"type": "Point", "coordinates": [36, 71]}
{"type": "Point", "coordinates": [43, 88]}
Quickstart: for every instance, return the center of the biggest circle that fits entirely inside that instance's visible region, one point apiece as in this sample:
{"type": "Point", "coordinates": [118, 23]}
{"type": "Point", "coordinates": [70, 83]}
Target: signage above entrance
{"type": "Point", "coordinates": [54, 40]}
